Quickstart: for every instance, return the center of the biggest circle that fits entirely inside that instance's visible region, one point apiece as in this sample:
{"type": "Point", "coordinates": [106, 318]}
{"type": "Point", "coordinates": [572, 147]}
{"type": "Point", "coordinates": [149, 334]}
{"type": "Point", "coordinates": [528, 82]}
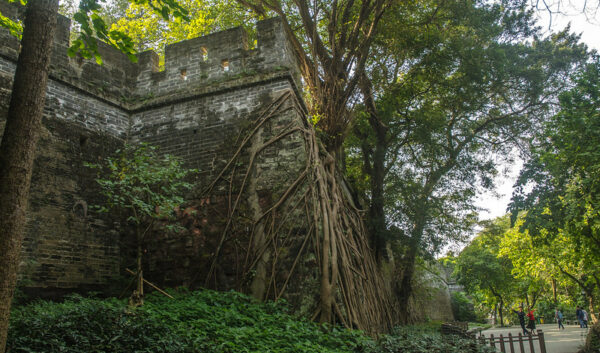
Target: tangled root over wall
{"type": "Point", "coordinates": [297, 234]}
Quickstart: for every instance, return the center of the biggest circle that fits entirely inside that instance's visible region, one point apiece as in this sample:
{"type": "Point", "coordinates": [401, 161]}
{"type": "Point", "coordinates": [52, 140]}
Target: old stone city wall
{"type": "Point", "coordinates": [199, 107]}
{"type": "Point", "coordinates": [209, 91]}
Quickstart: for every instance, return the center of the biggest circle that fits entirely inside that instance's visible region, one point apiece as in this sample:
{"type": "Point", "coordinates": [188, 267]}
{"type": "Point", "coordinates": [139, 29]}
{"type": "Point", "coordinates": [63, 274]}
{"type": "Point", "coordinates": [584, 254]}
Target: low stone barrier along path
{"type": "Point", "coordinates": [569, 340]}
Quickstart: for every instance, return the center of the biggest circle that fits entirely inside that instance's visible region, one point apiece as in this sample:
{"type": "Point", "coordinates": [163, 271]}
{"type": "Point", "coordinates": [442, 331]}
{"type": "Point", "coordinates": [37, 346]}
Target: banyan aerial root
{"type": "Point", "coordinates": [312, 213]}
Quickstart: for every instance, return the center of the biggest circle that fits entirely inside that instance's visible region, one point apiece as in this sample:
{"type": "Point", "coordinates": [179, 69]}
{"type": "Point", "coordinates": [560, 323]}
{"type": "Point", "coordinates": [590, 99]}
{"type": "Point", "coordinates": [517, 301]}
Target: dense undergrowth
{"type": "Point", "coordinates": [592, 342]}
{"type": "Point", "coordinates": [200, 321]}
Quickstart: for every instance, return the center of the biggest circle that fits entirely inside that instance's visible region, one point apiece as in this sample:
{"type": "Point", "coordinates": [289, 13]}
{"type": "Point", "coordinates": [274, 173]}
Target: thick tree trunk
{"type": "Point", "coordinates": [408, 271]}
{"type": "Point", "coordinates": [18, 146]}
{"type": "Point", "coordinates": [408, 261]}
{"type": "Point", "coordinates": [592, 308]}
{"type": "Point", "coordinates": [376, 171]}
{"type": "Point", "coordinates": [405, 285]}
{"type": "Point", "coordinates": [377, 224]}
{"type": "Point", "coordinates": [554, 294]}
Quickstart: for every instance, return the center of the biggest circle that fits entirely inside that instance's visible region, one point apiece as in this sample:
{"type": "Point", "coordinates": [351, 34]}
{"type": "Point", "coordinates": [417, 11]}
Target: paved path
{"type": "Point", "coordinates": [563, 341]}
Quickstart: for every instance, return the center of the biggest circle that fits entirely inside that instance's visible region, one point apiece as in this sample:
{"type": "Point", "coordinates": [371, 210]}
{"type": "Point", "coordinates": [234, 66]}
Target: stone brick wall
{"type": "Point", "coordinates": [432, 300]}
{"type": "Point", "coordinates": [207, 93]}
{"type": "Point", "coordinates": [66, 246]}
{"type": "Point", "coordinates": [196, 129]}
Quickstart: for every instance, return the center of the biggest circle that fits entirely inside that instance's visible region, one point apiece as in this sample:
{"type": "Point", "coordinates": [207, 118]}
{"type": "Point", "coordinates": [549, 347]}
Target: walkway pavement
{"type": "Point", "coordinates": [569, 340]}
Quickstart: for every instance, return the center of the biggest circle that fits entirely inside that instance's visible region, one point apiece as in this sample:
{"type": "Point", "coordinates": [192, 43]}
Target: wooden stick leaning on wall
{"type": "Point", "coordinates": [152, 285]}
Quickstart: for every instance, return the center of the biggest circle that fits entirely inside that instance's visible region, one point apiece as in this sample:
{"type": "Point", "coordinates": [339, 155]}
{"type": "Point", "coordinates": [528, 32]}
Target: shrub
{"type": "Point", "coordinates": [462, 307]}
{"type": "Point", "coordinates": [592, 342]}
{"type": "Point", "coordinates": [87, 325]}
{"type": "Point", "coordinates": [232, 322]}
{"type": "Point", "coordinates": [416, 339]}
{"type": "Point", "coordinates": [201, 321]}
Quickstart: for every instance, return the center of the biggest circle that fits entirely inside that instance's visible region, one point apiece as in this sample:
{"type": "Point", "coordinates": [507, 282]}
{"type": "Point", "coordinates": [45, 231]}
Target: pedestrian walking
{"type": "Point", "coordinates": [531, 324]}
{"type": "Point", "coordinates": [584, 315]}
{"type": "Point", "coordinates": [521, 316]}
{"type": "Point", "coordinates": [559, 318]}
{"type": "Point", "coordinates": [579, 314]}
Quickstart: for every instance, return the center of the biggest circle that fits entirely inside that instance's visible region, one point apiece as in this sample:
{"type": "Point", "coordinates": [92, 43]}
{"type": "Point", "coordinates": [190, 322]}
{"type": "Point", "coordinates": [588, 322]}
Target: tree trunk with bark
{"type": "Point", "coordinates": [374, 164]}
{"type": "Point", "coordinates": [592, 306]}
{"type": "Point", "coordinates": [495, 314]}
{"type": "Point", "coordinates": [501, 311]}
{"type": "Point", "coordinates": [406, 285]}
{"type": "Point", "coordinates": [18, 146]}
{"type": "Point", "coordinates": [408, 269]}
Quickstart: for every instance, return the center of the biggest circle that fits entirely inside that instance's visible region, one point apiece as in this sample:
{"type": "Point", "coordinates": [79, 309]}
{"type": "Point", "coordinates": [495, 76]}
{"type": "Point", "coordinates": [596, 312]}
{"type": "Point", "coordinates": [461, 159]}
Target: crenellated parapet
{"type": "Point", "coordinates": [190, 66]}
{"type": "Point", "coordinates": [194, 65]}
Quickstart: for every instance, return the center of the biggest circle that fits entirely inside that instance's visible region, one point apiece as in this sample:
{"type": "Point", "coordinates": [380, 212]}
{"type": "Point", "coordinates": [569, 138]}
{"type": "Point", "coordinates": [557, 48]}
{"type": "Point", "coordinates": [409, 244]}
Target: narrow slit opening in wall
{"type": "Point", "coordinates": [204, 53]}
{"type": "Point", "coordinates": [225, 65]}
{"type": "Point", "coordinates": [183, 74]}
{"type": "Point", "coordinates": [83, 140]}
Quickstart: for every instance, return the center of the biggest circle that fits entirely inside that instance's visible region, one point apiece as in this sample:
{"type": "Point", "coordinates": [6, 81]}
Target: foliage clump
{"type": "Point", "coordinates": [592, 342]}
{"type": "Point", "coordinates": [199, 321]}
{"type": "Point", "coordinates": [87, 325]}
{"type": "Point", "coordinates": [146, 187]}
{"type": "Point", "coordinates": [462, 307]}
{"type": "Point", "coordinates": [425, 339]}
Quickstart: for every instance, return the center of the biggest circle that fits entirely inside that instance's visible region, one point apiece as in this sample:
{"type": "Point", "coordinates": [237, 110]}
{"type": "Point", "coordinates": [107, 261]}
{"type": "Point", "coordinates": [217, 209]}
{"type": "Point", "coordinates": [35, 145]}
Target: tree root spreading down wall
{"type": "Point", "coordinates": [314, 211]}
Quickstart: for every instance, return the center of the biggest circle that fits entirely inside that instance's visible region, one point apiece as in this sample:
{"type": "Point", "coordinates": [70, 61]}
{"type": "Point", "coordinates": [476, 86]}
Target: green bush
{"type": "Point", "coordinates": [546, 307]}
{"type": "Point", "coordinates": [87, 325]}
{"type": "Point", "coordinates": [232, 322]}
{"type": "Point", "coordinates": [419, 339]}
{"type": "Point", "coordinates": [592, 342]}
{"type": "Point", "coordinates": [200, 321]}
{"type": "Point", "coordinates": [462, 307]}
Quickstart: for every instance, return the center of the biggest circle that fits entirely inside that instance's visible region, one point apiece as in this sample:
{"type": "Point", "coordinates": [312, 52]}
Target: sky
{"type": "Point", "coordinates": [585, 23]}
{"type": "Point", "coordinates": [589, 28]}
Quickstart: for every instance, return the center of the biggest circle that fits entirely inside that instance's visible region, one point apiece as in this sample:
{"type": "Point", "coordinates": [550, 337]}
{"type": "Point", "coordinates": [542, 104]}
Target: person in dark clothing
{"type": "Point", "coordinates": [584, 317]}
{"type": "Point", "coordinates": [521, 315]}
{"type": "Point", "coordinates": [579, 314]}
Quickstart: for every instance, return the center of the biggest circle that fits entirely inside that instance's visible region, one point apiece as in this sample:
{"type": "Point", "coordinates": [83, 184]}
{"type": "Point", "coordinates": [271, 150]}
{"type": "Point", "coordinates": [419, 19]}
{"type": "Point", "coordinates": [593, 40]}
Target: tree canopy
{"type": "Point", "coordinates": [553, 241]}
{"type": "Point", "coordinates": [446, 101]}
